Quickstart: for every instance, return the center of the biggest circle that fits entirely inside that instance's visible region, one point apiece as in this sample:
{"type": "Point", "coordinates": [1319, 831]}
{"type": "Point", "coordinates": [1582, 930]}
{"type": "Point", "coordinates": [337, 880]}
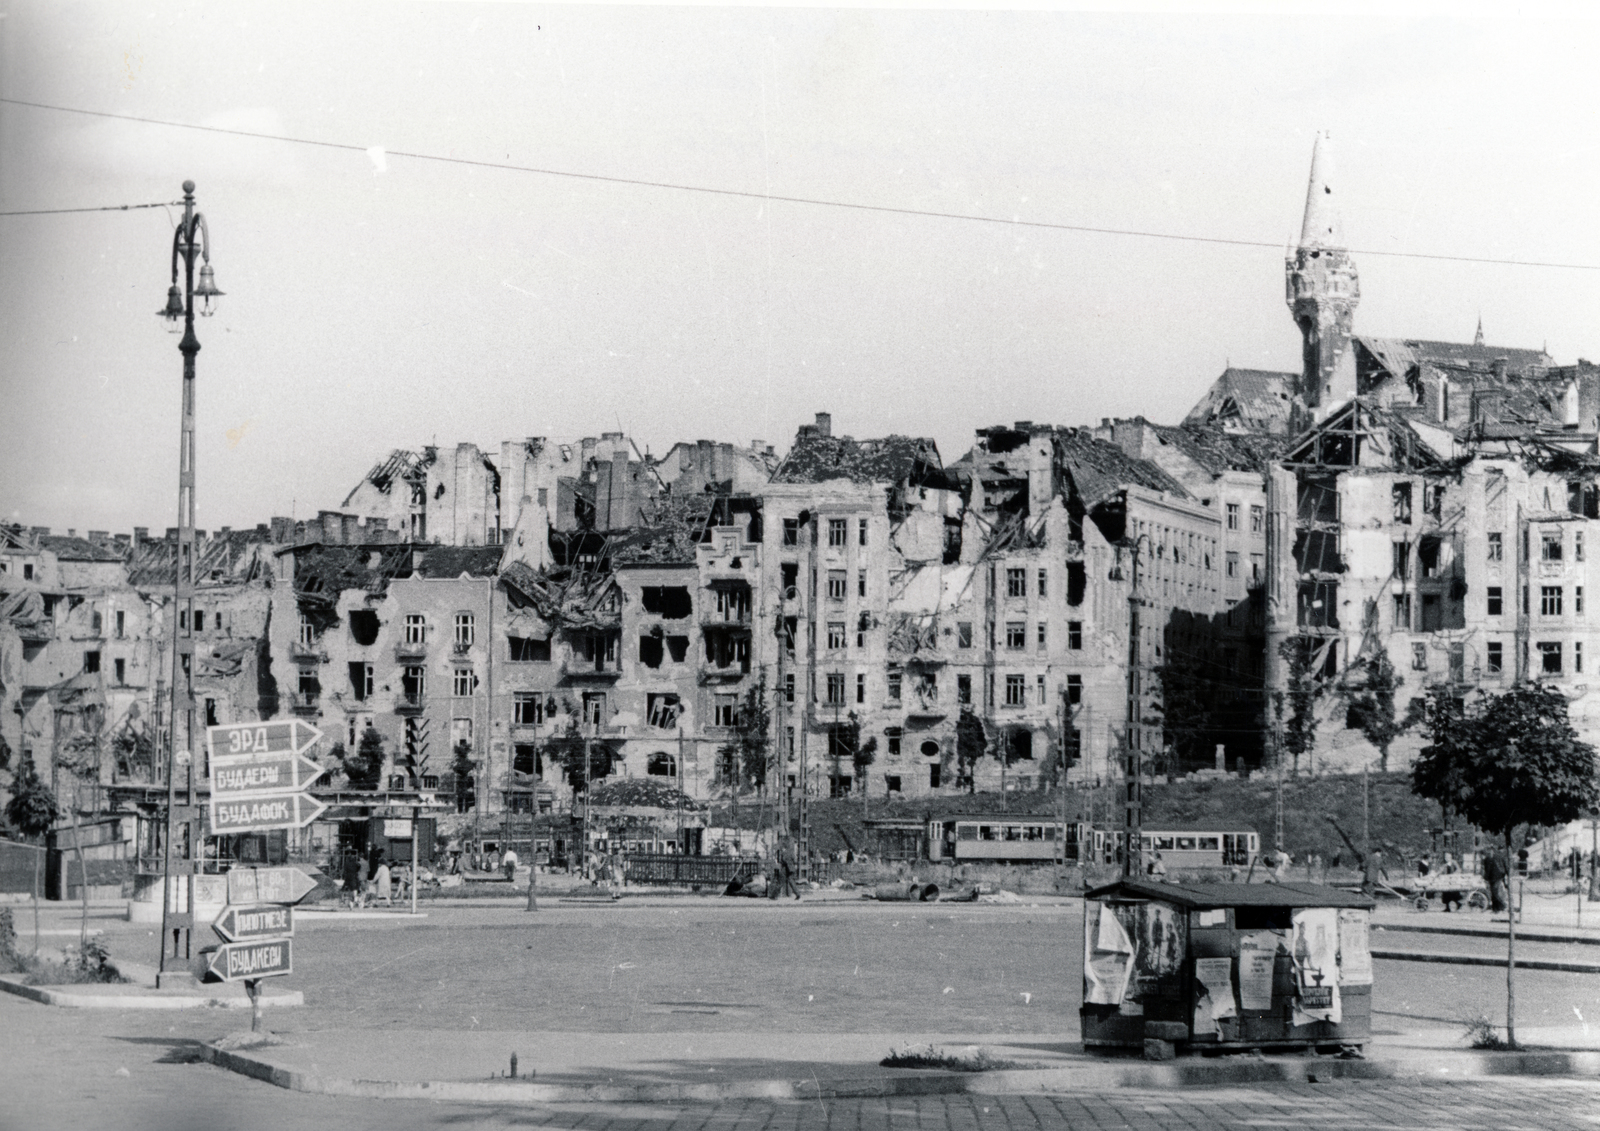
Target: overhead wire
{"type": "Point", "coordinates": [100, 208]}
{"type": "Point", "coordinates": [747, 194]}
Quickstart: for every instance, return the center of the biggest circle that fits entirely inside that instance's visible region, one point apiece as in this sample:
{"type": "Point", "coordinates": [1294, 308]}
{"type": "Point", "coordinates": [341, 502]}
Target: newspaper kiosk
{"type": "Point", "coordinates": [1226, 966]}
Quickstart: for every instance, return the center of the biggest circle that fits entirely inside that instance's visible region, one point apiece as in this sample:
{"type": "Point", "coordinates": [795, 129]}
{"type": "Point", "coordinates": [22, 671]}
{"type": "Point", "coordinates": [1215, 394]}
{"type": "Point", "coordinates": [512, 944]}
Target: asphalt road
{"type": "Point", "coordinates": [730, 966]}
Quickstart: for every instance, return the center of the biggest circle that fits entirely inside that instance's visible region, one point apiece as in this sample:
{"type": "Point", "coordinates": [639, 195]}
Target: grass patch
{"type": "Point", "coordinates": [1485, 1035]}
{"type": "Point", "coordinates": [932, 1056]}
{"type": "Point", "coordinates": [89, 962]}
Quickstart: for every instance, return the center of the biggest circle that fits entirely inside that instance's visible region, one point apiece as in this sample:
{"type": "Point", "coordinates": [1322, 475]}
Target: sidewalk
{"type": "Point", "coordinates": [637, 1067]}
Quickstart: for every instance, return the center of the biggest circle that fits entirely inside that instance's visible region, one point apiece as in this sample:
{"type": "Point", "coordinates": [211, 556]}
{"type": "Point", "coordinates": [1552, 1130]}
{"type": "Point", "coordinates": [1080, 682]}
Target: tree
{"type": "Point", "coordinates": [1184, 711]}
{"type": "Point", "coordinates": [1370, 703]}
{"type": "Point", "coordinates": [744, 757]}
{"type": "Point", "coordinates": [32, 811]}
{"type": "Point", "coordinates": [864, 754]}
{"type": "Point", "coordinates": [1525, 768]}
{"type": "Point", "coordinates": [462, 766]}
{"type": "Point", "coordinates": [365, 767]}
{"type": "Point", "coordinates": [1304, 689]}
{"type": "Point", "coordinates": [971, 744]}
{"type": "Point", "coordinates": [1437, 772]}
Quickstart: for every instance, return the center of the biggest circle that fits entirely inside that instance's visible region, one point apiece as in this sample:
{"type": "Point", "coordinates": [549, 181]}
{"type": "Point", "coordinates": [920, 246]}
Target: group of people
{"type": "Point", "coordinates": [371, 881]}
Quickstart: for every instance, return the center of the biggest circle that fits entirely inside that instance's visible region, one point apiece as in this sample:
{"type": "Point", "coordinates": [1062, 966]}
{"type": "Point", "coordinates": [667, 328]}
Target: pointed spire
{"type": "Point", "coordinates": [1320, 227]}
{"type": "Point", "coordinates": [1477, 339]}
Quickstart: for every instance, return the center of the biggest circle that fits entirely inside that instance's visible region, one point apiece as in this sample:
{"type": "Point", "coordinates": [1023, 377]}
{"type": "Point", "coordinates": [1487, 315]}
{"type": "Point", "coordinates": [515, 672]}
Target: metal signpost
{"type": "Point", "coordinates": [259, 775]}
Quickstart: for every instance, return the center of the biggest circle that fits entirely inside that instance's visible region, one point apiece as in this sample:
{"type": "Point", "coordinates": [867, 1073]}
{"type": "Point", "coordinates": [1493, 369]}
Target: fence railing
{"type": "Point", "coordinates": [672, 868]}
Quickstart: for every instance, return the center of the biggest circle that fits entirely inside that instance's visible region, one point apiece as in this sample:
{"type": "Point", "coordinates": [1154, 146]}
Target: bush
{"type": "Point", "coordinates": [1485, 1034]}
{"type": "Point", "coordinates": [8, 933]}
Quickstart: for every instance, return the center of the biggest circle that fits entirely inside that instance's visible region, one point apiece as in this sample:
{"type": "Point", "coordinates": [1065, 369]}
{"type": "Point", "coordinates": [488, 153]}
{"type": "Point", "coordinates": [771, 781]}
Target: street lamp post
{"type": "Point", "coordinates": [1133, 754]}
{"type": "Point", "coordinates": [192, 239]}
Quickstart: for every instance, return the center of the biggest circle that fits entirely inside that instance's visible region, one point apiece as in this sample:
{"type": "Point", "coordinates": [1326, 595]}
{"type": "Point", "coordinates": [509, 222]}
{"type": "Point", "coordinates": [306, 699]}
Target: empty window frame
{"type": "Point", "coordinates": [527, 708]}
{"type": "Point", "coordinates": [466, 630]}
{"type": "Point", "coordinates": [1494, 601]}
{"type": "Point", "coordinates": [1550, 657]}
{"type": "Point", "coordinates": [1016, 583]}
{"type": "Point", "coordinates": [1494, 657]}
{"type": "Point", "coordinates": [837, 529]}
{"type": "Point", "coordinates": [1549, 600]}
{"type": "Point", "coordinates": [1016, 635]}
{"type": "Point", "coordinates": [1016, 691]}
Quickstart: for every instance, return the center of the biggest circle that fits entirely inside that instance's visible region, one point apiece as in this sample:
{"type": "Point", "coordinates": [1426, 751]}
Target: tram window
{"type": "Point", "coordinates": [1013, 832]}
{"type": "Point", "coordinates": [986, 832]}
{"type": "Point", "coordinates": [1186, 844]}
{"type": "Point", "coordinates": [1164, 842]}
{"type": "Point", "coordinates": [966, 832]}
{"type": "Point", "coordinates": [1050, 832]}
{"type": "Point", "coordinates": [1210, 844]}
{"type": "Point", "coordinates": [1033, 832]}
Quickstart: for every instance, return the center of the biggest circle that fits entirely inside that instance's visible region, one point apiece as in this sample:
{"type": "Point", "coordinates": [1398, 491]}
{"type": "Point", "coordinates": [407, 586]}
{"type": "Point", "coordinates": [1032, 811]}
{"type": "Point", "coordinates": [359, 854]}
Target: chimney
{"type": "Point", "coordinates": [282, 530]}
{"type": "Point", "coordinates": [172, 534]}
{"type": "Point", "coordinates": [99, 535]}
{"type": "Point", "coordinates": [72, 532]}
{"type": "Point", "coordinates": [352, 529]}
{"type": "Point", "coordinates": [121, 539]}
{"type": "Point", "coordinates": [141, 534]}
{"type": "Point", "coordinates": [1024, 426]}
{"type": "Point", "coordinates": [619, 516]}
{"type": "Point", "coordinates": [1498, 367]}
{"type": "Point", "coordinates": [825, 424]}
{"type": "Point", "coordinates": [332, 523]}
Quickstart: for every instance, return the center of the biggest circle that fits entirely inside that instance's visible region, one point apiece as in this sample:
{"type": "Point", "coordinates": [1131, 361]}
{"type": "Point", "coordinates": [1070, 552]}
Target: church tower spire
{"type": "Point", "coordinates": [1322, 290]}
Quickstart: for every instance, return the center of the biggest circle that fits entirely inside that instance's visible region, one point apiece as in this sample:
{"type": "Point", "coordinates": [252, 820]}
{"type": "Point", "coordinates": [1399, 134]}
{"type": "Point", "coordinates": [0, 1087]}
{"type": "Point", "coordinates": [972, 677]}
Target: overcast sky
{"type": "Point", "coordinates": [375, 303]}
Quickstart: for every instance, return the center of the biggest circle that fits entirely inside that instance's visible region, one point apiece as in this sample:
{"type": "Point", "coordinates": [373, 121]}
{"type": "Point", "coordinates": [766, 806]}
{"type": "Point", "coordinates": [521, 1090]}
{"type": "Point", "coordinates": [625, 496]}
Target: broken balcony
{"type": "Point", "coordinates": [410, 650]}
{"type": "Point", "coordinates": [409, 703]}
{"type": "Point", "coordinates": [309, 653]}
{"type": "Point", "coordinates": [305, 702]}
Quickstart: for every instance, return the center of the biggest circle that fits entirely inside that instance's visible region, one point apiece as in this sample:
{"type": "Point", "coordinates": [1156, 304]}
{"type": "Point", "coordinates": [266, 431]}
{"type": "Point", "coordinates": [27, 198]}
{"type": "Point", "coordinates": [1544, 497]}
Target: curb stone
{"type": "Point", "coordinates": [72, 998]}
{"type": "Point", "coordinates": [1454, 1065]}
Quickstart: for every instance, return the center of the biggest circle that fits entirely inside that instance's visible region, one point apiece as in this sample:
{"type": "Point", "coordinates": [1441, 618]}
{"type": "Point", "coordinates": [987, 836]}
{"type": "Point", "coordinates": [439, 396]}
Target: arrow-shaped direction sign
{"type": "Point", "coordinates": [235, 776]}
{"type": "Point", "coordinates": [237, 961]}
{"type": "Point", "coordinates": [287, 736]}
{"type": "Point", "coordinates": [254, 813]}
{"type": "Point", "coordinates": [267, 885]}
{"type": "Point", "coordinates": [262, 921]}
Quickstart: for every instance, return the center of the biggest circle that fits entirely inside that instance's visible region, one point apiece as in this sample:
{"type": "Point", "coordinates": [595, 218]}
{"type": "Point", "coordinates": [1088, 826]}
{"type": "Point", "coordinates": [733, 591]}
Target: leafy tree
{"type": "Point", "coordinates": [1370, 704]}
{"type": "Point", "coordinates": [463, 767]}
{"type": "Point", "coordinates": [744, 757]}
{"type": "Point", "coordinates": [565, 747]}
{"type": "Point", "coordinates": [1304, 689]}
{"type": "Point", "coordinates": [1525, 768]}
{"type": "Point", "coordinates": [864, 754]}
{"type": "Point", "coordinates": [1185, 710]}
{"type": "Point", "coordinates": [32, 811]}
{"type": "Point", "coordinates": [971, 744]}
{"type": "Point", "coordinates": [1437, 774]}
{"type": "Point", "coordinates": [365, 767]}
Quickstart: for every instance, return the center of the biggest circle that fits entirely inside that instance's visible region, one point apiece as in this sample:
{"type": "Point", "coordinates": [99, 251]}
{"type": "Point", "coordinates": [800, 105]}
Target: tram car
{"type": "Point", "coordinates": [1001, 839]}
{"type": "Point", "coordinates": [1184, 848]}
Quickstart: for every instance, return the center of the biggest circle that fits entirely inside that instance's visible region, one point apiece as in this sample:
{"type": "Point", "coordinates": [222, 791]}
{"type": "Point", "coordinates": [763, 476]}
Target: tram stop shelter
{"type": "Point", "coordinates": [1225, 966]}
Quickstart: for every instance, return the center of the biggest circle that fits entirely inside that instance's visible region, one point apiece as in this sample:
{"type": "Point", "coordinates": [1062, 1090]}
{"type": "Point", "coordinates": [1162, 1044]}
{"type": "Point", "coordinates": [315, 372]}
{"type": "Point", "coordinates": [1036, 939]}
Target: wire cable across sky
{"type": "Point", "coordinates": [1015, 222]}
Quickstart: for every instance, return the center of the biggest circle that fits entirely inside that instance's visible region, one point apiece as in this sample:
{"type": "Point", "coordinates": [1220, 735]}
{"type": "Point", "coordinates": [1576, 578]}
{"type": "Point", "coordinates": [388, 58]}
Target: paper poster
{"type": "Point", "coordinates": [1217, 918]}
{"type": "Point", "coordinates": [1108, 957]}
{"type": "Point", "coordinates": [1257, 953]}
{"type": "Point", "coordinates": [1314, 950]}
{"type": "Point", "coordinates": [1215, 1002]}
{"type": "Point", "coordinates": [1355, 952]}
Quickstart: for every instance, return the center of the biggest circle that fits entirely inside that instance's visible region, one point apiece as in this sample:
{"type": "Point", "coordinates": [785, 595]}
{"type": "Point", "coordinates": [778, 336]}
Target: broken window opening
{"type": "Point", "coordinates": [669, 601]}
{"type": "Point", "coordinates": [364, 626]}
{"type": "Point", "coordinates": [652, 650]}
{"type": "Point", "coordinates": [665, 710]}
{"type": "Point", "coordinates": [527, 708]}
{"type": "Point", "coordinates": [661, 765]}
{"type": "Point", "coordinates": [361, 680]}
{"type": "Point", "coordinates": [1077, 579]}
{"type": "Point", "coordinates": [1400, 494]}
{"type": "Point", "coordinates": [528, 650]}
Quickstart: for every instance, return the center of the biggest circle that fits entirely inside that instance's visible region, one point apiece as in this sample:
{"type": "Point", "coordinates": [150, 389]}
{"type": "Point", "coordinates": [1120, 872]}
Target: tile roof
{"type": "Point", "coordinates": [78, 549]}
{"type": "Point", "coordinates": [1259, 399]}
{"type": "Point", "coordinates": [1099, 469]}
{"type": "Point", "coordinates": [453, 561]}
{"type": "Point", "coordinates": [816, 458]}
{"type": "Point", "coordinates": [1220, 451]}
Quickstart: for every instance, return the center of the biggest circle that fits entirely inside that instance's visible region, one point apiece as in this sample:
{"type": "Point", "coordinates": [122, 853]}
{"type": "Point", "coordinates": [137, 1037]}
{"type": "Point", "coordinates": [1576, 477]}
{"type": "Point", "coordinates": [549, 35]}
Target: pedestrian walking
{"type": "Point", "coordinates": [351, 869]}
{"type": "Point", "coordinates": [509, 863]}
{"type": "Point", "coordinates": [1494, 875]}
{"type": "Point", "coordinates": [382, 885]}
